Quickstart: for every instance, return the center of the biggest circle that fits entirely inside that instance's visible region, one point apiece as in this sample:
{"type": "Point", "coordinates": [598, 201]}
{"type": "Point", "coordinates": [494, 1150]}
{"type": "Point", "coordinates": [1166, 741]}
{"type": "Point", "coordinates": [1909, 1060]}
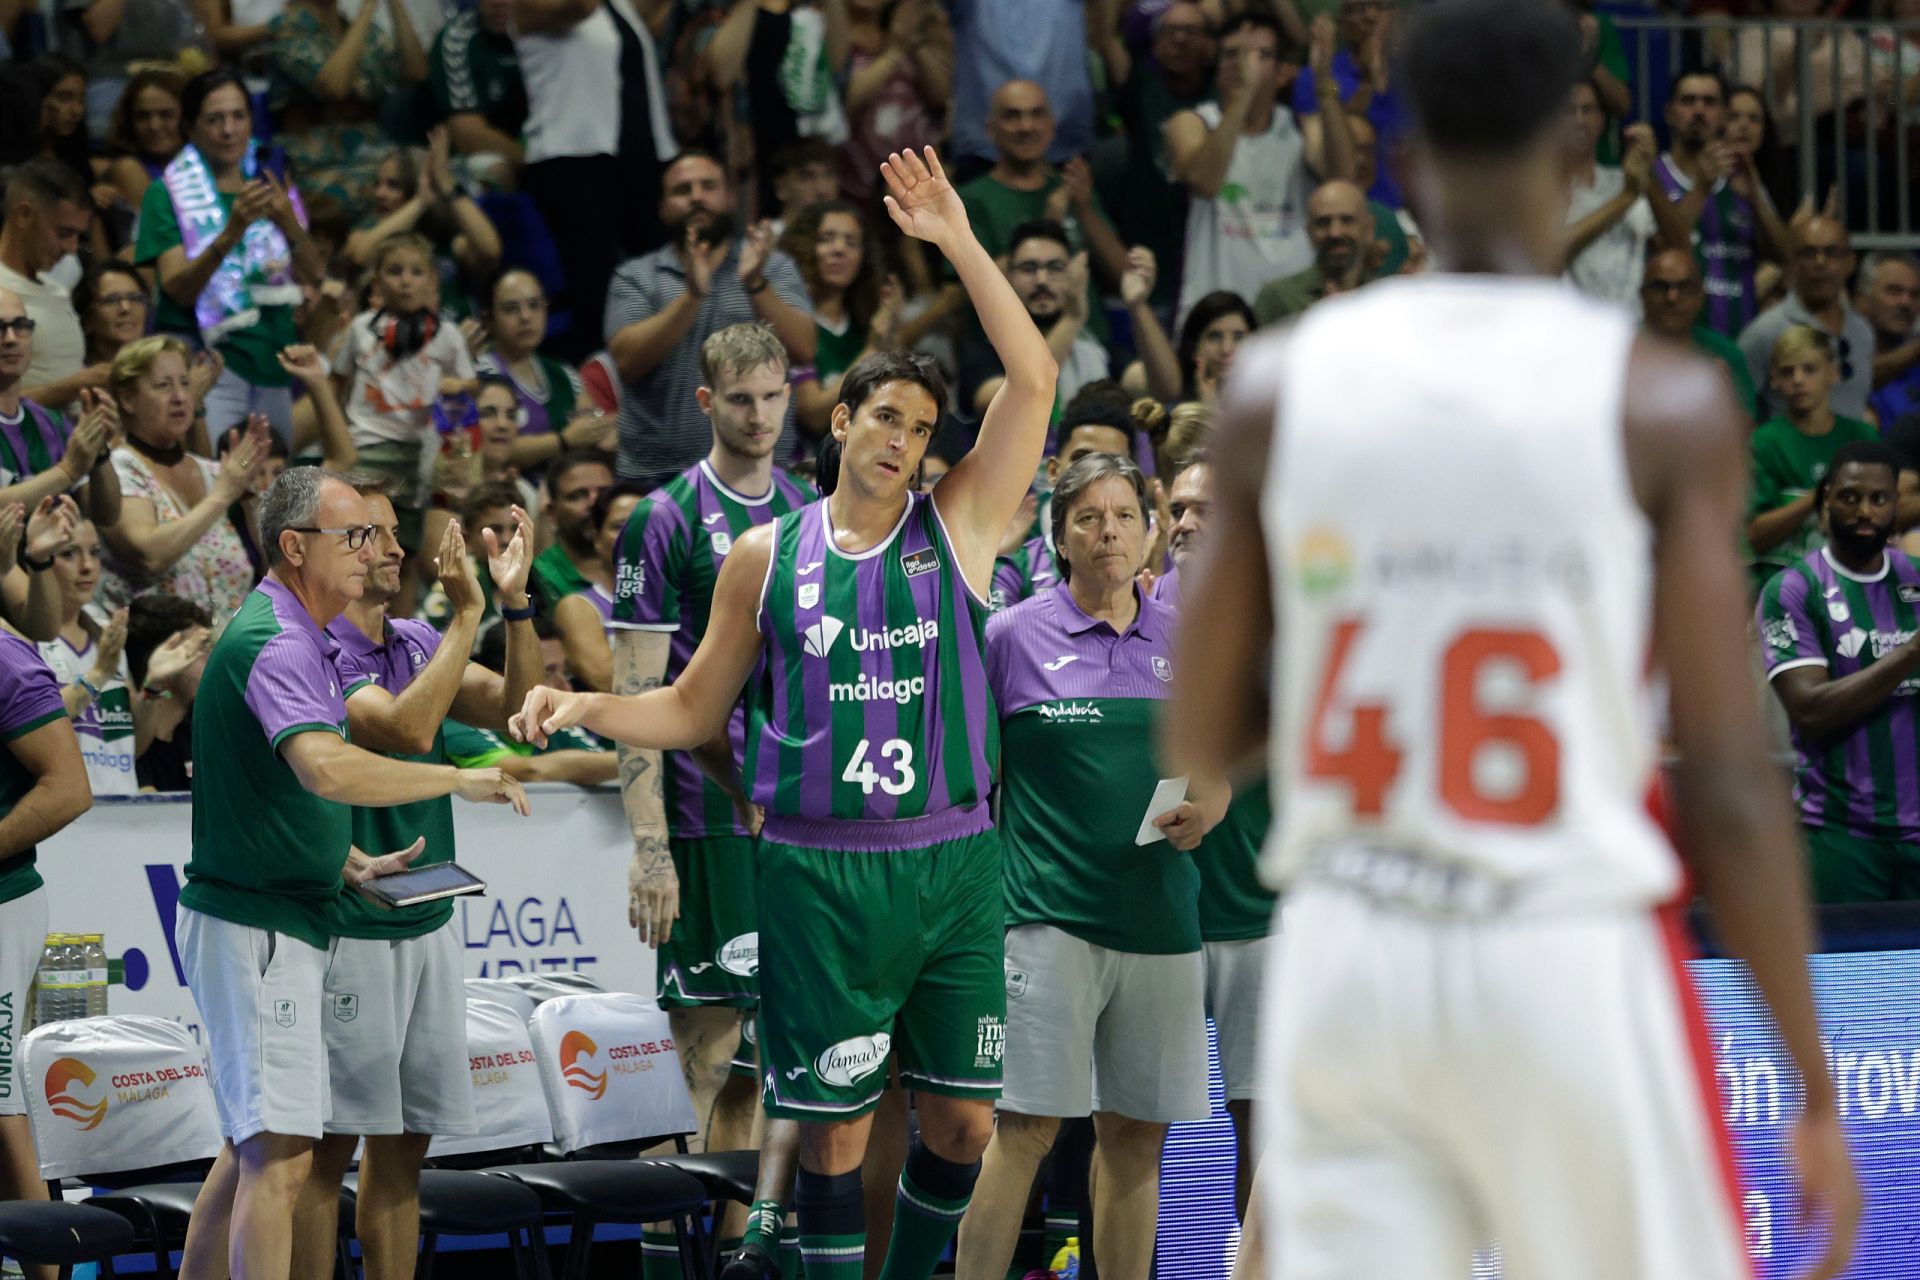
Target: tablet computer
{"type": "Point", "coordinates": [423, 884]}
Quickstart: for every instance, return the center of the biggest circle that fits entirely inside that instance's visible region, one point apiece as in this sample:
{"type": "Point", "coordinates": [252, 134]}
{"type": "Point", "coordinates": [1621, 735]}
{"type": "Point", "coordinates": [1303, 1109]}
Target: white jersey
{"type": "Point", "coordinates": [1463, 583]}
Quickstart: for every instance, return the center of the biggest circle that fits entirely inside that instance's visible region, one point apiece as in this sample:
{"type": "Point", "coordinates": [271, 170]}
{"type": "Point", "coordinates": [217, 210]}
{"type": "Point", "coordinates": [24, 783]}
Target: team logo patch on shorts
{"type": "Point", "coordinates": [346, 1008]}
{"type": "Point", "coordinates": [283, 1012]}
{"type": "Point", "coordinates": [853, 1059]}
{"type": "Point", "coordinates": [1016, 984]}
{"type": "Point", "coordinates": [741, 955]}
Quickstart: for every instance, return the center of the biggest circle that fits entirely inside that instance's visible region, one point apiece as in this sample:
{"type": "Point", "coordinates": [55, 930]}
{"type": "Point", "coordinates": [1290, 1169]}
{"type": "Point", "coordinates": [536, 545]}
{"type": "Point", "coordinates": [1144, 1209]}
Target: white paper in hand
{"type": "Point", "coordinates": [1169, 795]}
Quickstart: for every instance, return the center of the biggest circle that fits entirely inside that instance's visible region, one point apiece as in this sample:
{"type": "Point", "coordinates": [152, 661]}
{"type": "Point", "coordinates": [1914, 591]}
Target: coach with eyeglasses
{"type": "Point", "coordinates": [274, 782]}
{"type": "Point", "coordinates": [1822, 262]}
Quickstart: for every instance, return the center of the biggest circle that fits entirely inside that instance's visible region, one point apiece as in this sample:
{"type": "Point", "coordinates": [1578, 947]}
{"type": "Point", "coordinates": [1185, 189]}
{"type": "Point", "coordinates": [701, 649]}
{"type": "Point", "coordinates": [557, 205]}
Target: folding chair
{"type": "Point", "coordinates": [512, 1112]}
{"type": "Point", "coordinates": [125, 1103]}
{"type": "Point", "coordinates": [58, 1234]}
{"type": "Point", "coordinates": [613, 1087]}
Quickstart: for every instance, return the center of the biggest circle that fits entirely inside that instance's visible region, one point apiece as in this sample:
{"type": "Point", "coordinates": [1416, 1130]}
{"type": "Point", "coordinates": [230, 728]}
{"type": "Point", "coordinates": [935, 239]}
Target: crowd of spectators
{"type": "Point", "coordinates": [475, 249]}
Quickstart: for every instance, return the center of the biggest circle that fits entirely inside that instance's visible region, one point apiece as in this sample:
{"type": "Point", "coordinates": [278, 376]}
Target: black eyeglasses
{"type": "Point", "coordinates": [22, 325]}
{"type": "Point", "coordinates": [356, 537]}
{"type": "Point", "coordinates": [1844, 349]}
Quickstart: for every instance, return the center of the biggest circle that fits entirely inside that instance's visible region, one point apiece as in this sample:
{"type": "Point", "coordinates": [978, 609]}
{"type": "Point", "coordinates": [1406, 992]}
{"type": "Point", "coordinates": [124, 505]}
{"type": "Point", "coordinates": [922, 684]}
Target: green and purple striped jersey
{"type": "Point", "coordinates": [1078, 771]}
{"type": "Point", "coordinates": [31, 441]}
{"type": "Point", "coordinates": [870, 723]}
{"type": "Point", "coordinates": [1027, 572]}
{"type": "Point", "coordinates": [1865, 781]}
{"type": "Point", "coordinates": [665, 569]}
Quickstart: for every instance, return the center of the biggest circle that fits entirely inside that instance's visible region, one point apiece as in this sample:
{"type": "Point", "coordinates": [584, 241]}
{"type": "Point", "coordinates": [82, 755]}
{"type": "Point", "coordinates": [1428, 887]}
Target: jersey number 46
{"type": "Point", "coordinates": [1370, 760]}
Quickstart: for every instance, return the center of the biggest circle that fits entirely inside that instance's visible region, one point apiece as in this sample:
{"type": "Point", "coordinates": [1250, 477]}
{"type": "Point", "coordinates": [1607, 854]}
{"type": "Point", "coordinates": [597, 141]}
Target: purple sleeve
{"type": "Point", "coordinates": [1005, 590]}
{"type": "Point", "coordinates": [292, 687]}
{"type": "Point", "coordinates": [1789, 635]}
{"type": "Point", "coordinates": [1000, 643]}
{"type": "Point", "coordinates": [648, 565]}
{"type": "Point", "coordinates": [29, 695]}
{"type": "Point", "coordinates": [420, 633]}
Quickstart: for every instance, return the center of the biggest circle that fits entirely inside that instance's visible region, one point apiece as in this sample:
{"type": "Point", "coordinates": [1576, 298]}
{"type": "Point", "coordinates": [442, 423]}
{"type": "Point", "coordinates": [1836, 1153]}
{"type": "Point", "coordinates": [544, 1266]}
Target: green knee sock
{"type": "Point", "coordinates": [659, 1255]}
{"type": "Point", "coordinates": [833, 1235]}
{"type": "Point", "coordinates": [791, 1268]}
{"type": "Point", "coordinates": [934, 1194]}
{"type": "Point", "coordinates": [764, 1221]}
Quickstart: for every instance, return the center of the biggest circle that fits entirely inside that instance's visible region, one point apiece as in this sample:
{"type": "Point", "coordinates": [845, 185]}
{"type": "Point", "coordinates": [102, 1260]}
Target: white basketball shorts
{"type": "Point", "coordinates": [1439, 1084]}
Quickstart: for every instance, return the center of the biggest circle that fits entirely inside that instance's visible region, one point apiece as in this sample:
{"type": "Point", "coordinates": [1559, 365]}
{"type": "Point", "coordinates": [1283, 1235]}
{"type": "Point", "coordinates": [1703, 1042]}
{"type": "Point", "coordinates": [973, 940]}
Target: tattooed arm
{"type": "Point", "coordinates": [653, 888]}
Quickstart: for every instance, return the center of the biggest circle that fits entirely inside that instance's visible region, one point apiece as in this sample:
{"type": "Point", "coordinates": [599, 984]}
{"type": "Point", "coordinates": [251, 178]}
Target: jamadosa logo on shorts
{"type": "Point", "coordinates": [741, 955]}
{"type": "Point", "coordinates": [574, 1046]}
{"type": "Point", "coordinates": [853, 1060]}
{"type": "Point", "coordinates": [62, 1076]}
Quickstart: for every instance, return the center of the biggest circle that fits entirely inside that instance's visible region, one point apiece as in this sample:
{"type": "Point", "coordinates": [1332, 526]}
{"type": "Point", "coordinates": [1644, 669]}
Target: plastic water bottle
{"type": "Point", "coordinates": [49, 990]}
{"type": "Point", "coordinates": [73, 999]}
{"type": "Point", "coordinates": [93, 959]}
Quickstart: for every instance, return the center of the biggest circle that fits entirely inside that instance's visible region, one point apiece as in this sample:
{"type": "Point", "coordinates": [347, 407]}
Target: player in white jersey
{"type": "Point", "coordinates": [1469, 514]}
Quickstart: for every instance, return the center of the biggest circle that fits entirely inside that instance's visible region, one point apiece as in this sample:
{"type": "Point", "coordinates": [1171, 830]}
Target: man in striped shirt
{"type": "Point", "coordinates": [1839, 631]}
{"type": "Point", "coordinates": [41, 455]}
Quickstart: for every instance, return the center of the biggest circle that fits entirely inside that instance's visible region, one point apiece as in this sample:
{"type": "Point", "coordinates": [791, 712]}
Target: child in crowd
{"type": "Point", "coordinates": [1791, 452]}
{"type": "Point", "coordinates": [398, 358]}
{"type": "Point", "coordinates": [555, 415]}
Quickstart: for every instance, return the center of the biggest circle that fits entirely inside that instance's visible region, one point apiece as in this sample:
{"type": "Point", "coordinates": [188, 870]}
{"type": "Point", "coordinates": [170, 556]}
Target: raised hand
{"type": "Point", "coordinates": [1637, 163]}
{"type": "Point", "coordinates": [93, 436]}
{"type": "Point", "coordinates": [304, 362]}
{"type": "Point", "coordinates": [701, 261]}
{"type": "Point", "coordinates": [1136, 286]}
{"type": "Point", "coordinates": [113, 643]}
{"type": "Point", "coordinates": [455, 567]}
{"type": "Point", "coordinates": [1076, 179]}
{"type": "Point", "coordinates": [475, 334]}
{"type": "Point", "coordinates": [279, 206]}
{"type": "Point", "coordinates": [921, 201]}
{"type": "Point", "coordinates": [245, 452]}
{"type": "Point", "coordinates": [13, 518]}
{"type": "Point", "coordinates": [592, 430]}
{"type": "Point", "coordinates": [755, 248]}
{"type": "Point", "coordinates": [176, 653]}
{"type": "Point", "coordinates": [51, 526]}
{"type": "Point", "coordinates": [207, 368]}
{"type": "Point", "coordinates": [1073, 291]}
{"type": "Point", "coordinates": [254, 202]}
{"type": "Point", "coordinates": [509, 565]}
{"type": "Point", "coordinates": [1322, 39]}
{"type": "Point", "coordinates": [440, 161]}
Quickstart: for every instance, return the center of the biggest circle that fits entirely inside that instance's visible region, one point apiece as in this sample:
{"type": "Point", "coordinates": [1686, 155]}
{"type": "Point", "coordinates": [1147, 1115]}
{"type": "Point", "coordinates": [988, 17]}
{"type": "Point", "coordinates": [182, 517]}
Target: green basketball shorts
{"type": "Point", "coordinates": [872, 955]}
{"type": "Point", "coordinates": [713, 957]}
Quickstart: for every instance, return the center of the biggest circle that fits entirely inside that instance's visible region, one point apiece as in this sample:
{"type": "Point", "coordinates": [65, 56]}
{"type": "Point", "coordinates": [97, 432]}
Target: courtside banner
{"type": "Point", "coordinates": [610, 1070]}
{"type": "Point", "coordinates": [556, 897]}
{"type": "Point", "coordinates": [110, 1094]}
{"type": "Point", "coordinates": [508, 1099]}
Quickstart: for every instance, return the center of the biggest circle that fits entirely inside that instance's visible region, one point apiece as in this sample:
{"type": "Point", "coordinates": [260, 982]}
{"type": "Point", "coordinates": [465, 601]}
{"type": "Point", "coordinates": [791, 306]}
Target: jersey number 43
{"type": "Point", "coordinates": [1370, 760]}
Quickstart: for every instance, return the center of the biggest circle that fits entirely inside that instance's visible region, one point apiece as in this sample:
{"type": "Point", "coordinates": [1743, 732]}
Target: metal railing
{"type": "Point", "coordinates": [1842, 98]}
